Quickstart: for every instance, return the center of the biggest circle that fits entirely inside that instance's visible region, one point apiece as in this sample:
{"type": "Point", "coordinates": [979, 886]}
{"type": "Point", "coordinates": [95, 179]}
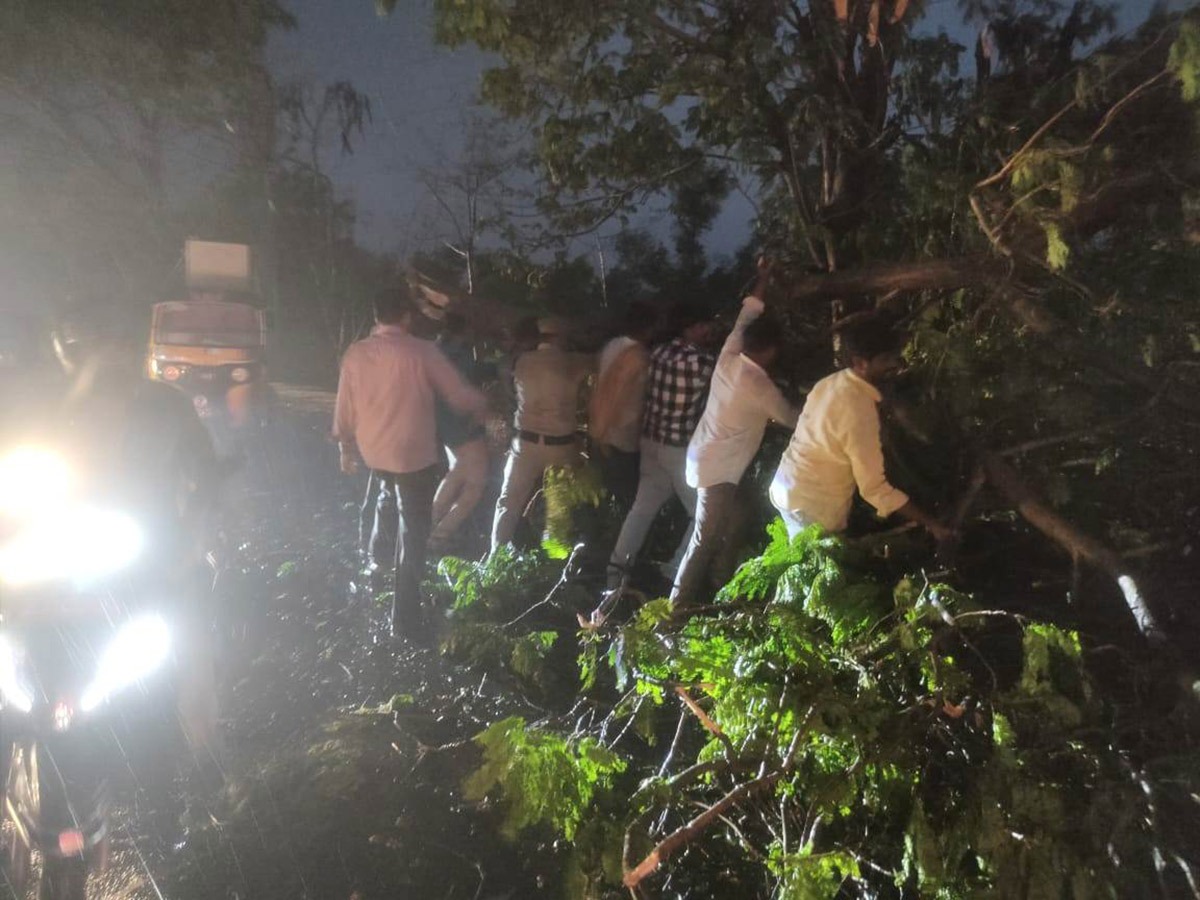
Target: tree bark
{"type": "Point", "coordinates": [1079, 545]}
{"type": "Point", "coordinates": [681, 837]}
{"type": "Point", "coordinates": [930, 274]}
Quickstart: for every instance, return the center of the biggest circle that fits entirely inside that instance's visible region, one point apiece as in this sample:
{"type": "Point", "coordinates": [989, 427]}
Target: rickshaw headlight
{"type": "Point", "coordinates": [240, 374]}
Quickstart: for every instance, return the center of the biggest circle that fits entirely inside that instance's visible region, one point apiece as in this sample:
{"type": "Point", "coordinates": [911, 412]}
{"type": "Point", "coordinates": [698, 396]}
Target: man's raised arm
{"type": "Point", "coordinates": [752, 306]}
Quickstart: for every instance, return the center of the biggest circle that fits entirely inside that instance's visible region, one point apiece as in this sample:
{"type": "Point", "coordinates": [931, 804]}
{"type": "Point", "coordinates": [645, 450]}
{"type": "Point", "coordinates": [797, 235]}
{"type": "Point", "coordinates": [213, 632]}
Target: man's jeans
{"type": "Point", "coordinates": [661, 476]}
{"type": "Point", "coordinates": [714, 510]}
{"type": "Point", "coordinates": [405, 503]}
{"type": "Point", "coordinates": [621, 474]}
{"type": "Point", "coordinates": [377, 519]}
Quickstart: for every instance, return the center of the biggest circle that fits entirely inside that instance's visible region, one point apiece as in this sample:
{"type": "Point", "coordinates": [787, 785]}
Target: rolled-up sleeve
{"type": "Point", "coordinates": [451, 386]}
{"type": "Point", "coordinates": [865, 451]}
{"type": "Point", "coordinates": [343, 410]}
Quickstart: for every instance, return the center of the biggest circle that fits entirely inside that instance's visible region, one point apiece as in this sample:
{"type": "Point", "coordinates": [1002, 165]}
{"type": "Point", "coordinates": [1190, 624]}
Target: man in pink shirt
{"type": "Point", "coordinates": [386, 414]}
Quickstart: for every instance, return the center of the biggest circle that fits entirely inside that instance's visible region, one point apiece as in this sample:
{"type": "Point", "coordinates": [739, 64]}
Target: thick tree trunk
{"type": "Point", "coordinates": [930, 274]}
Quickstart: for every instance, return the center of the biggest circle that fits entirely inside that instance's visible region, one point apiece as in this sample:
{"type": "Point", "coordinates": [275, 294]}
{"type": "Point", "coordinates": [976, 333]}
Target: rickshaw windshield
{"type": "Point", "coordinates": [208, 324]}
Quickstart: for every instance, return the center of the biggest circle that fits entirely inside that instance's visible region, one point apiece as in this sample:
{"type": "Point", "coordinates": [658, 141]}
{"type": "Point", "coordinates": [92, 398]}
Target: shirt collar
{"type": "Point", "coordinates": [862, 384]}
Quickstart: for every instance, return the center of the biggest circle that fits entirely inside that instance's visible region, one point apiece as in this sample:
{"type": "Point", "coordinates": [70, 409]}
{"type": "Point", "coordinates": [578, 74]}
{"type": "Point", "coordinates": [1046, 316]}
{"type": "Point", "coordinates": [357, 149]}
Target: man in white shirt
{"type": "Point", "coordinates": [836, 445]}
{"type": "Point", "coordinates": [741, 401]}
{"type": "Point", "coordinates": [548, 382]}
{"type": "Point", "coordinates": [385, 411]}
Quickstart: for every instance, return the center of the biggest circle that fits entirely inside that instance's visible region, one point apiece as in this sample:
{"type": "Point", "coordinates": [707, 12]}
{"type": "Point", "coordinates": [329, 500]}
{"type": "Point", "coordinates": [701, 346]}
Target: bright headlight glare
{"type": "Point", "coordinates": [14, 692]}
{"type": "Point", "coordinates": [32, 478]}
{"type": "Point", "coordinates": [80, 546]}
{"type": "Point", "coordinates": [139, 648]}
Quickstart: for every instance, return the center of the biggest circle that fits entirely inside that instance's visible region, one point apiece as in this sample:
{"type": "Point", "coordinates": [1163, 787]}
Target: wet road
{"type": "Point", "coordinates": [326, 789]}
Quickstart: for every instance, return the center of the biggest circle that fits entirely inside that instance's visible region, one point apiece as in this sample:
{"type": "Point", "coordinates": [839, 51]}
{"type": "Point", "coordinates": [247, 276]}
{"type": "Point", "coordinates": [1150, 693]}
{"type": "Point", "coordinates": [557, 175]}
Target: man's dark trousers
{"type": "Point", "coordinates": [413, 493]}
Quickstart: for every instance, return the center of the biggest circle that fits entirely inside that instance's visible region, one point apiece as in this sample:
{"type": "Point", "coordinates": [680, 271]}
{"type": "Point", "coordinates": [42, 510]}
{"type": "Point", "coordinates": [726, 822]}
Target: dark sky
{"type": "Point", "coordinates": [422, 95]}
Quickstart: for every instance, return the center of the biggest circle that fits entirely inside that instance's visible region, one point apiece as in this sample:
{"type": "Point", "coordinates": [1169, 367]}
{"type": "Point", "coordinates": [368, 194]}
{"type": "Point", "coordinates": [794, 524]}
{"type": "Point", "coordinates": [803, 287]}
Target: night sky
{"type": "Point", "coordinates": [421, 96]}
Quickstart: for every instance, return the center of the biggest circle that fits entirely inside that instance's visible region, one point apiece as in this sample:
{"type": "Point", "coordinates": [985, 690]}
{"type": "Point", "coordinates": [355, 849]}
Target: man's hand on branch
{"type": "Point", "coordinates": [765, 265]}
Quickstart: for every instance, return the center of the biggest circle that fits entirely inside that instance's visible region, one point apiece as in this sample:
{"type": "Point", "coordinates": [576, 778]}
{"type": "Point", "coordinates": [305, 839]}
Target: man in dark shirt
{"type": "Point", "coordinates": [464, 438]}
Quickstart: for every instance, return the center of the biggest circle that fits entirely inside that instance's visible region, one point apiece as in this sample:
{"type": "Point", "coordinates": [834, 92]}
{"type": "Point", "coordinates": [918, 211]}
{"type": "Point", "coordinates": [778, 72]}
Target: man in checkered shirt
{"type": "Point", "coordinates": [677, 387]}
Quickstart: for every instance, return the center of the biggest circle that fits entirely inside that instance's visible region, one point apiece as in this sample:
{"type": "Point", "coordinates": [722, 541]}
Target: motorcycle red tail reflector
{"type": "Point", "coordinates": [71, 843]}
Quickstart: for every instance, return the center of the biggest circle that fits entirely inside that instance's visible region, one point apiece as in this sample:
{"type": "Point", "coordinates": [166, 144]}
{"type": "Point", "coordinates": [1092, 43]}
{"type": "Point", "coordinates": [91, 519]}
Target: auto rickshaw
{"type": "Point", "coordinates": [214, 351]}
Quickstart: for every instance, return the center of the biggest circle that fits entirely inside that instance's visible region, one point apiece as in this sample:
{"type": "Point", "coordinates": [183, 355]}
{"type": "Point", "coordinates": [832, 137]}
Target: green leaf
{"type": "Point", "coordinates": [539, 776]}
{"type": "Point", "coordinates": [1057, 251]}
{"type": "Point", "coordinates": [1184, 59]}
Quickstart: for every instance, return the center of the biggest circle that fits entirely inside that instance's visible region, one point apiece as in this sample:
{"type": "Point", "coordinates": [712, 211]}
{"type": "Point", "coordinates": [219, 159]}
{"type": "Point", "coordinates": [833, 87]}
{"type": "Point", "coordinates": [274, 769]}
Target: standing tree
{"type": "Point", "coordinates": [313, 226]}
{"type": "Point", "coordinates": [473, 192]}
{"type": "Point", "coordinates": [108, 110]}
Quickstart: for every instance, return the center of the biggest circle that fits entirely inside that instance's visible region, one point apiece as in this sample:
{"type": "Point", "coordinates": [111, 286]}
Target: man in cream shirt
{"type": "Point", "coordinates": [836, 446]}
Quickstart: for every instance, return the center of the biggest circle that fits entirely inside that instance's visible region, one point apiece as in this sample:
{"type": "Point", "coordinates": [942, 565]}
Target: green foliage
{"type": "Point", "coordinates": [542, 778]}
{"type": "Point", "coordinates": [482, 596]}
{"type": "Point", "coordinates": [565, 490]}
{"type": "Point", "coordinates": [1057, 251]}
{"type": "Point", "coordinates": [809, 876]}
{"type": "Point", "coordinates": [497, 584]}
{"type": "Point", "coordinates": [910, 763]}
{"type": "Point", "coordinates": [529, 652]}
{"type": "Point", "coordinates": [925, 748]}
{"type": "Point", "coordinates": [1184, 59]}
{"type": "Point", "coordinates": [757, 578]}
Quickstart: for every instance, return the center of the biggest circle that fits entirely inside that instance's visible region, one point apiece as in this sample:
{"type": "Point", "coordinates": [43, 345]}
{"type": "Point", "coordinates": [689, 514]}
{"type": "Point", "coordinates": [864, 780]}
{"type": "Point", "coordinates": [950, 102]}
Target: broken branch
{"type": "Point", "coordinates": [1067, 536]}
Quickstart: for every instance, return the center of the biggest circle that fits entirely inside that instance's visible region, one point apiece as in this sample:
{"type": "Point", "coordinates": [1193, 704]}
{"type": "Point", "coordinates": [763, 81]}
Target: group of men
{"type": "Point", "coordinates": [703, 423]}
{"type": "Point", "coordinates": [672, 420]}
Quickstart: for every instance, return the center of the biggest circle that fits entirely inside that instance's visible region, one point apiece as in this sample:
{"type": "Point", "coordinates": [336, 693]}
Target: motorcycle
{"type": "Point", "coordinates": [82, 656]}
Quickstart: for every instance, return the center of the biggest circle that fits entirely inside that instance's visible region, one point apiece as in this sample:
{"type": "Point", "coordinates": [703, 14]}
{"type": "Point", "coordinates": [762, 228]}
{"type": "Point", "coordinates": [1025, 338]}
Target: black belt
{"type": "Point", "coordinates": [548, 439]}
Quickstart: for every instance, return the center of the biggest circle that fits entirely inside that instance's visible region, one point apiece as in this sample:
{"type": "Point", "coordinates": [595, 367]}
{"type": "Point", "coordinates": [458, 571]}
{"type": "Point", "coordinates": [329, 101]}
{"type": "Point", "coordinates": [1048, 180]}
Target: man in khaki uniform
{"type": "Point", "coordinates": [548, 383]}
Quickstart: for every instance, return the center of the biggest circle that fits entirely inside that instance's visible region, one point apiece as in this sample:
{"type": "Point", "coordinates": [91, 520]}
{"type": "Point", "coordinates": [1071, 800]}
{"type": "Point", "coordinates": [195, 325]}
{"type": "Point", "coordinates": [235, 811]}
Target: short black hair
{"type": "Point", "coordinates": [761, 335]}
{"type": "Point", "coordinates": [525, 330]}
{"type": "Point", "coordinates": [868, 335]}
{"type": "Point", "coordinates": [392, 305]}
{"type": "Point", "coordinates": [639, 318]}
{"type": "Point", "coordinates": [687, 313]}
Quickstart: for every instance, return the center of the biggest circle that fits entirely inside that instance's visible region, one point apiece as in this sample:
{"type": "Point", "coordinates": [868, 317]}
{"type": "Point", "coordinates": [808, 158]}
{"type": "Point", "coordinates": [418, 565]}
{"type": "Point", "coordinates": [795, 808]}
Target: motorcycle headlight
{"type": "Point", "coordinates": [12, 689]}
{"type": "Point", "coordinates": [32, 478]}
{"type": "Point", "coordinates": [80, 545]}
{"type": "Point", "coordinates": [138, 649]}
